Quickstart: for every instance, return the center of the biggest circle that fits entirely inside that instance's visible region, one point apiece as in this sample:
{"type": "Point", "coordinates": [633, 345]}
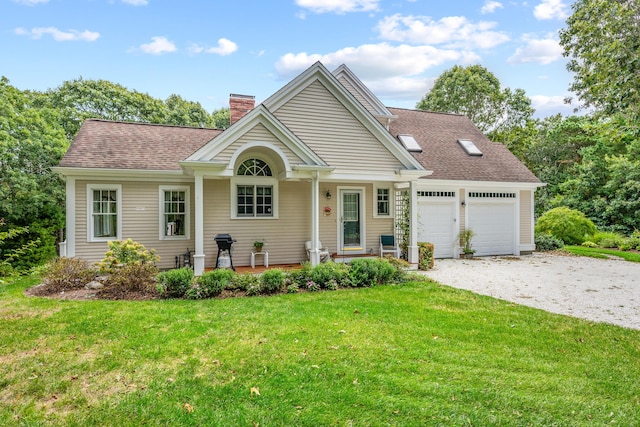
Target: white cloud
{"type": "Point", "coordinates": [338, 6]}
{"type": "Point", "coordinates": [400, 88]}
{"type": "Point", "coordinates": [158, 46]}
{"type": "Point", "coordinates": [30, 2]}
{"type": "Point", "coordinates": [490, 6]}
{"type": "Point", "coordinates": [136, 2]}
{"type": "Point", "coordinates": [372, 61]}
{"type": "Point", "coordinates": [543, 102]}
{"type": "Point", "coordinates": [551, 9]}
{"type": "Point", "coordinates": [58, 35]}
{"type": "Point", "coordinates": [452, 31]}
{"type": "Point", "coordinates": [542, 51]}
{"type": "Point", "coordinates": [224, 47]}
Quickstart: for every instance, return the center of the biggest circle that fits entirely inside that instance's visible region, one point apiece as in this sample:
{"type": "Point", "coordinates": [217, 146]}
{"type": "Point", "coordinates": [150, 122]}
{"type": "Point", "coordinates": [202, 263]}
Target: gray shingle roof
{"type": "Point", "coordinates": [438, 134]}
{"type": "Point", "coordinates": [122, 145]}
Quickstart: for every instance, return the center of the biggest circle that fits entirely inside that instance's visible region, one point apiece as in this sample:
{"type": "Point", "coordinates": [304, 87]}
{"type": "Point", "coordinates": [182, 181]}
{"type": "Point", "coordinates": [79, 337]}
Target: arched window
{"type": "Point", "coordinates": [254, 167]}
{"type": "Point", "coordinates": [254, 198]}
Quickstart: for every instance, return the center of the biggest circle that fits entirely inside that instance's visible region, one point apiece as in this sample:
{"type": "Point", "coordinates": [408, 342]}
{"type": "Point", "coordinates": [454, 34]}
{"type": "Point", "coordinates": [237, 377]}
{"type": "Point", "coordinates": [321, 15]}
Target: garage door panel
{"type": "Point", "coordinates": [493, 225]}
{"type": "Point", "coordinates": [437, 226]}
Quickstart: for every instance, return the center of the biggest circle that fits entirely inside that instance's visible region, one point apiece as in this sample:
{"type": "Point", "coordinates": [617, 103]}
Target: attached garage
{"type": "Point", "coordinates": [492, 217]}
{"type": "Point", "coordinates": [438, 221]}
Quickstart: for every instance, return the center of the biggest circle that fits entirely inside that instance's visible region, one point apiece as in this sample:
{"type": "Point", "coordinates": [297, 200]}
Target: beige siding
{"type": "Point", "coordinates": [140, 222]}
{"type": "Point", "coordinates": [284, 236]}
{"type": "Point", "coordinates": [526, 210]}
{"type": "Point", "coordinates": [314, 113]}
{"type": "Point", "coordinates": [258, 134]}
{"type": "Point", "coordinates": [357, 95]}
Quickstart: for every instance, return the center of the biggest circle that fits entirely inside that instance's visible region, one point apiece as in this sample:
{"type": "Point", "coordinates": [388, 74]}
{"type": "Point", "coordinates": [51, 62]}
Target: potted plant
{"type": "Point", "coordinates": [258, 244]}
{"type": "Point", "coordinates": [465, 241]}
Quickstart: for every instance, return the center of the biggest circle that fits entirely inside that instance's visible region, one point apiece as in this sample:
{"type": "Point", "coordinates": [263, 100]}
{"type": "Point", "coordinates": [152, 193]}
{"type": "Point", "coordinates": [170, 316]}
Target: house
{"type": "Point", "coordinates": [319, 160]}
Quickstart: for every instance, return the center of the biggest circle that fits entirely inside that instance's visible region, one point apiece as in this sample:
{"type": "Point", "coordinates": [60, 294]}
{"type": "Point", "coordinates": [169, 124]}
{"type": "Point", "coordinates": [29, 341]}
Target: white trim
{"type": "Point", "coordinates": [473, 185]}
{"type": "Point", "coordinates": [187, 215]}
{"type": "Point", "coordinates": [97, 186]}
{"type": "Point", "coordinates": [363, 219]}
{"type": "Point", "coordinates": [253, 180]}
{"type": "Point", "coordinates": [70, 241]}
{"type": "Point", "coordinates": [243, 152]}
{"type": "Point", "coordinates": [389, 188]}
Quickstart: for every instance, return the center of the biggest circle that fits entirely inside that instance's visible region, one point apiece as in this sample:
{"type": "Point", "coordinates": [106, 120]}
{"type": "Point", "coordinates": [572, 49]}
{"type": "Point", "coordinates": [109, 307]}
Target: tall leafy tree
{"type": "Point", "coordinates": [221, 119]}
{"type": "Point", "coordinates": [181, 112]}
{"type": "Point", "coordinates": [476, 92]}
{"type": "Point", "coordinates": [602, 42]}
{"type": "Point", "coordinates": [31, 194]}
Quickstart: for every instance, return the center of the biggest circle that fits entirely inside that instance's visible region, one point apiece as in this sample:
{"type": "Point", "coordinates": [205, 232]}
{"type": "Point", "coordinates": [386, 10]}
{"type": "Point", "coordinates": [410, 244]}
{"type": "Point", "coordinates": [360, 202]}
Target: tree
{"type": "Point", "coordinates": [221, 118]}
{"type": "Point", "coordinates": [31, 194]}
{"type": "Point", "coordinates": [601, 40]}
{"type": "Point", "coordinates": [475, 92]}
{"type": "Point", "coordinates": [181, 112]}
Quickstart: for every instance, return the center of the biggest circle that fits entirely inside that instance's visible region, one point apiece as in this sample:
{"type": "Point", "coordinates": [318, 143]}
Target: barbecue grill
{"type": "Point", "coordinates": [224, 242]}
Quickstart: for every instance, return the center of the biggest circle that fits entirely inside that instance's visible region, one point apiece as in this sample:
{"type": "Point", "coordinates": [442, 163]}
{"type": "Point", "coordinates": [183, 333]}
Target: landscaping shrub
{"type": "Point", "coordinates": [134, 278]}
{"type": "Point", "coordinates": [325, 273]}
{"type": "Point", "coordinates": [210, 284]}
{"type": "Point", "coordinates": [589, 244]}
{"type": "Point", "coordinates": [609, 238]}
{"type": "Point", "coordinates": [569, 225]}
{"type": "Point", "coordinates": [631, 243]}
{"type": "Point", "coordinates": [425, 255]}
{"type": "Point", "coordinates": [174, 283]}
{"type": "Point", "coordinates": [363, 272]}
{"type": "Point", "coordinates": [242, 282]}
{"type": "Point", "coordinates": [68, 273]}
{"type": "Point", "coordinates": [272, 281]}
{"type": "Point", "coordinates": [126, 252]}
{"type": "Point", "coordinates": [547, 242]}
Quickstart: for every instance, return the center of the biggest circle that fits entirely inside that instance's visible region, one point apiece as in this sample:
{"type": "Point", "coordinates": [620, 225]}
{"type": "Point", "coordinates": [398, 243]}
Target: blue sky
{"type": "Point", "coordinates": [205, 50]}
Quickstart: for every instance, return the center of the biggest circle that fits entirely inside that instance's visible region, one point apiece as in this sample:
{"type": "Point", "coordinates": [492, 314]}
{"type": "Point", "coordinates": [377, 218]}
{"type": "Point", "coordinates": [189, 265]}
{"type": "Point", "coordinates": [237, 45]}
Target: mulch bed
{"type": "Point", "coordinates": [106, 293]}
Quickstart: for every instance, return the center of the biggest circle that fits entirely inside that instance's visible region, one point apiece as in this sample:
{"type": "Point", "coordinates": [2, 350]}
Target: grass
{"type": "Point", "coordinates": [407, 355]}
{"type": "Point", "coordinates": [603, 253]}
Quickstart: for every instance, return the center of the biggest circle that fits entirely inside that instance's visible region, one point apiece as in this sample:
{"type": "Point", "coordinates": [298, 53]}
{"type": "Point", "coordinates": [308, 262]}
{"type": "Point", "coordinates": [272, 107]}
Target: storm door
{"type": "Point", "coordinates": [352, 224]}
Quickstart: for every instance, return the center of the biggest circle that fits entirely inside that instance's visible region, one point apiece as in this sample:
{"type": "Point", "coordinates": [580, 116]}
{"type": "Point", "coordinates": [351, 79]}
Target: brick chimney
{"type": "Point", "coordinates": [239, 105]}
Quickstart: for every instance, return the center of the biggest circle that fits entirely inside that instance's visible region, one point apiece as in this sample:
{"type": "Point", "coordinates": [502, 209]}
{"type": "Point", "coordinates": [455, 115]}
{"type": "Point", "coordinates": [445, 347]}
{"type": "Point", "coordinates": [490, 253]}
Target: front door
{"type": "Point", "coordinates": [352, 226]}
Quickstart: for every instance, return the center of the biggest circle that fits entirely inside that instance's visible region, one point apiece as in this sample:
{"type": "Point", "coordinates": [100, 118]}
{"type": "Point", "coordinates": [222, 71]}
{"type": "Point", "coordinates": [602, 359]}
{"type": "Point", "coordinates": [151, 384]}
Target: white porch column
{"type": "Point", "coordinates": [413, 223]}
{"type": "Point", "coordinates": [70, 241]}
{"type": "Point", "coordinates": [314, 255]}
{"type": "Point", "coordinates": [198, 257]}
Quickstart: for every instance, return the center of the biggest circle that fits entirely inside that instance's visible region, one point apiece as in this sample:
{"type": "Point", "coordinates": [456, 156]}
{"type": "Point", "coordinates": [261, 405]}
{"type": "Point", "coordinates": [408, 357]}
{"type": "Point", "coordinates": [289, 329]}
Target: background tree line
{"type": "Point", "coordinates": [590, 162]}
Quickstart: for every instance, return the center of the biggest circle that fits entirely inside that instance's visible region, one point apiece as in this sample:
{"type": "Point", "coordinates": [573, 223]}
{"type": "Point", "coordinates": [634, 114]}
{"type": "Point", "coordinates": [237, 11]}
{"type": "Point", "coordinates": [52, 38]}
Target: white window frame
{"type": "Point", "coordinates": [90, 227]}
{"type": "Point", "coordinates": [253, 181]}
{"type": "Point", "coordinates": [391, 195]}
{"type": "Point", "coordinates": [161, 213]}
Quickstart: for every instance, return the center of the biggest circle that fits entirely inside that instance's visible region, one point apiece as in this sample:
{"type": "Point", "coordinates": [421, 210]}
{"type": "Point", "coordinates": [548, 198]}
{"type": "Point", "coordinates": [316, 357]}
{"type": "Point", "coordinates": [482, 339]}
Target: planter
{"type": "Point", "coordinates": [468, 255]}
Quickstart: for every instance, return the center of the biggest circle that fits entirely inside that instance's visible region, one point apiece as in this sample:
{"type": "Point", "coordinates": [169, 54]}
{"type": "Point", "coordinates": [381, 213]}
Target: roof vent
{"type": "Point", "coordinates": [470, 147]}
{"type": "Point", "coordinates": [410, 143]}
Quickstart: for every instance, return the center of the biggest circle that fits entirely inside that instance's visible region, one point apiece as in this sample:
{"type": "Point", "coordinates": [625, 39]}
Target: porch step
{"type": "Point", "coordinates": [344, 258]}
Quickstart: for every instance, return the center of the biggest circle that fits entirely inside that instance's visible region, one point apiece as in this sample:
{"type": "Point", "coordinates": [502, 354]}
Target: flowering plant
{"type": "Point", "coordinates": [327, 209]}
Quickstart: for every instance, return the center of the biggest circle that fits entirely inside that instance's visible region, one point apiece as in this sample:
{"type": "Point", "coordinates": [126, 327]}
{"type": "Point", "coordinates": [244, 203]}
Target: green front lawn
{"type": "Point", "coordinates": [409, 355]}
{"type": "Point", "coordinates": [632, 256]}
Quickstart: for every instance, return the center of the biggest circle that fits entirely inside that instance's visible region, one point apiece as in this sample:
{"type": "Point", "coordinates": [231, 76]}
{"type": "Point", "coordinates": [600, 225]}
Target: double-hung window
{"type": "Point", "coordinates": [383, 202]}
{"type": "Point", "coordinates": [104, 212]}
{"type": "Point", "coordinates": [254, 190]}
{"type": "Point", "coordinates": [174, 212]}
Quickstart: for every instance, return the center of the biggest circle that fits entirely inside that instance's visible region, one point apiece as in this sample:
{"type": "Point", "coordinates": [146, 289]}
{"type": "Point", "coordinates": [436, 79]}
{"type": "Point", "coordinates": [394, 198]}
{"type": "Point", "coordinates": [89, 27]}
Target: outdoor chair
{"type": "Point", "coordinates": [324, 252]}
{"type": "Point", "coordinates": [388, 245]}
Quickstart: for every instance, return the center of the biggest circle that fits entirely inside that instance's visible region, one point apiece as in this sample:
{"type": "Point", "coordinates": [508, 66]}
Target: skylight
{"type": "Point", "coordinates": [470, 147]}
{"type": "Point", "coordinates": [410, 143]}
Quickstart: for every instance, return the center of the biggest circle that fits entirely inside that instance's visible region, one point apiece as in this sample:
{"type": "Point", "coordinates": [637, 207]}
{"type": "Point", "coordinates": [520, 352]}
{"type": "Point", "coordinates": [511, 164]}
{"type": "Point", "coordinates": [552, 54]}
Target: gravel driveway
{"type": "Point", "coordinates": [593, 289]}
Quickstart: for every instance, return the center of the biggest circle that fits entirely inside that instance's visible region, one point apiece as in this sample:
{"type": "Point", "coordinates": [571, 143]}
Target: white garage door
{"type": "Point", "coordinates": [493, 225]}
{"type": "Point", "coordinates": [437, 226]}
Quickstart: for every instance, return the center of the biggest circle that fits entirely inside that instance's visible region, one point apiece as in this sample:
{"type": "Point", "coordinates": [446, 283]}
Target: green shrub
{"type": "Point", "coordinates": [272, 281]}
{"type": "Point", "coordinates": [241, 282]}
{"type": "Point", "coordinates": [174, 283]}
{"type": "Point", "coordinates": [68, 273]}
{"type": "Point", "coordinates": [133, 278]}
{"type": "Point", "coordinates": [126, 252]}
{"type": "Point", "coordinates": [589, 244]}
{"type": "Point", "coordinates": [292, 288]}
{"type": "Point", "coordinates": [547, 242]}
{"type": "Point", "coordinates": [363, 272]}
{"type": "Point", "coordinates": [425, 255]}
{"type": "Point", "coordinates": [300, 277]}
{"type": "Point", "coordinates": [569, 225]}
{"type": "Point", "coordinates": [325, 273]}
{"type": "Point", "coordinates": [608, 237]}
{"type": "Point", "coordinates": [210, 284]}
